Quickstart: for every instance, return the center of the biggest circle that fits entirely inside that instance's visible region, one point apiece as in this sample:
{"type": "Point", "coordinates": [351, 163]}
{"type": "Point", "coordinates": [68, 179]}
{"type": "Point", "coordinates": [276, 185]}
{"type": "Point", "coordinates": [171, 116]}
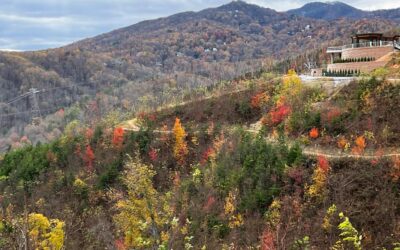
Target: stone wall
{"type": "Point", "coordinates": [375, 52]}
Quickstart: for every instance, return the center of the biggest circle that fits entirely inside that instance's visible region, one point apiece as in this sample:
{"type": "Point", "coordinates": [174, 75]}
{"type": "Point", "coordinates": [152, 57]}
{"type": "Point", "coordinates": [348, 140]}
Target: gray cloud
{"type": "Point", "coordinates": [41, 24]}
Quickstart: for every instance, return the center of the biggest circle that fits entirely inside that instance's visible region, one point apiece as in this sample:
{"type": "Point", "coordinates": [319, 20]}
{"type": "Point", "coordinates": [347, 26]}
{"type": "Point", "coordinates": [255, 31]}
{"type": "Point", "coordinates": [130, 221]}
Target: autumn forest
{"type": "Point", "coordinates": [201, 131]}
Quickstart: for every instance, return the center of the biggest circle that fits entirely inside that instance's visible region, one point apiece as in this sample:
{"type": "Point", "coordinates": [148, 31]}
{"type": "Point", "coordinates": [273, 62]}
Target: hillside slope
{"type": "Point", "coordinates": [161, 61]}
{"type": "Point", "coordinates": [209, 183]}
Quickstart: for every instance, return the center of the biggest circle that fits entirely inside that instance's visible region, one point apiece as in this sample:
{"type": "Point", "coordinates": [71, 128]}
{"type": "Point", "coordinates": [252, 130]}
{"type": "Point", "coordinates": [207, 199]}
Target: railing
{"type": "Point", "coordinates": [334, 49]}
{"type": "Point", "coordinates": [368, 44]}
{"type": "Point", "coordinates": [360, 45]}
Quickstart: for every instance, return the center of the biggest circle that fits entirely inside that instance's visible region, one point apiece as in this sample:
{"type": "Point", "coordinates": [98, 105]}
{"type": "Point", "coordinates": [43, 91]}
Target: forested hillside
{"type": "Point", "coordinates": [207, 175]}
{"type": "Point", "coordinates": [157, 62]}
{"type": "Point", "coordinates": [196, 131]}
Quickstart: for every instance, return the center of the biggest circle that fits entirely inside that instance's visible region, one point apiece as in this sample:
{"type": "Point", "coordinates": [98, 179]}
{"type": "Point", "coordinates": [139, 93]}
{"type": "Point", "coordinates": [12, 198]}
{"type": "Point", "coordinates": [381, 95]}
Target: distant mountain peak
{"type": "Point", "coordinates": [328, 10]}
{"type": "Point", "coordinates": [240, 6]}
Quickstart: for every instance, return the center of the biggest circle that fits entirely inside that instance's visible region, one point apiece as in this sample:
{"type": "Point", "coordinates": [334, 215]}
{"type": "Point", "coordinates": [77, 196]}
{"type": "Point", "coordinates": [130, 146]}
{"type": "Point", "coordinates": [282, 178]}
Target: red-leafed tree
{"type": "Point", "coordinates": [206, 155]}
{"type": "Point", "coordinates": [211, 200]}
{"type": "Point", "coordinates": [89, 158]}
{"type": "Point", "coordinates": [323, 163]}
{"type": "Point", "coordinates": [120, 244]}
{"type": "Point", "coordinates": [279, 113]}
{"type": "Point", "coordinates": [118, 137]}
{"type": "Point", "coordinates": [153, 154]}
{"type": "Point", "coordinates": [268, 240]}
{"type": "Point", "coordinates": [332, 114]}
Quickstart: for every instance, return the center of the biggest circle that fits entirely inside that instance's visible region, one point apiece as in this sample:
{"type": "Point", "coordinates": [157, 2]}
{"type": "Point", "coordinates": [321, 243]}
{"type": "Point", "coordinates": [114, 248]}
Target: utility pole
{"type": "Point", "coordinates": [35, 109]}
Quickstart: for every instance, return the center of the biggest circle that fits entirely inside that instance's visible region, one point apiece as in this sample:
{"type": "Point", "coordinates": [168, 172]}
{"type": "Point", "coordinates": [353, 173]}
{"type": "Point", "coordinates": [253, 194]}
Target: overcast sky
{"type": "Point", "coordinates": [40, 24]}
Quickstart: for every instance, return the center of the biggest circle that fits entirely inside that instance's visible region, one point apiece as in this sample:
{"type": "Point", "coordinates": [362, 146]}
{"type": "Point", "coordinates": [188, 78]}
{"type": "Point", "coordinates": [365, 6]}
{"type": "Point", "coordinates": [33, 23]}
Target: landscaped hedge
{"type": "Point", "coordinates": [341, 73]}
{"type": "Point", "coordinates": [350, 60]}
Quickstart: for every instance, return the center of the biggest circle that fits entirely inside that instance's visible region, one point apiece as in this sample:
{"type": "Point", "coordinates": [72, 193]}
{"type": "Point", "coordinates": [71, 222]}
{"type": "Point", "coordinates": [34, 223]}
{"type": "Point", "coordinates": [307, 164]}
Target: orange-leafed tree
{"type": "Point", "coordinates": [343, 143]}
{"type": "Point", "coordinates": [360, 146]}
{"type": "Point", "coordinates": [180, 147]}
{"type": "Point", "coordinates": [259, 100]}
{"type": "Point", "coordinates": [118, 137]}
{"type": "Point", "coordinates": [314, 133]}
{"type": "Point", "coordinates": [360, 142]}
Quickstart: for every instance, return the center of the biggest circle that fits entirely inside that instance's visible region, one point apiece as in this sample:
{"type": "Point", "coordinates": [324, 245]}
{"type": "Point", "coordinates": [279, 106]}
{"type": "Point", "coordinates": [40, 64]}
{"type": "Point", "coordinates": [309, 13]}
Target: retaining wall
{"type": "Point", "coordinates": [375, 52]}
{"type": "Point", "coordinates": [364, 67]}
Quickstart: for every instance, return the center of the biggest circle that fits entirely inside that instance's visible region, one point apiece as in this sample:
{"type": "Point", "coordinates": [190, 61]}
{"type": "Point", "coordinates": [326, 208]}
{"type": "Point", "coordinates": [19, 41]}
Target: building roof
{"type": "Point", "coordinates": [368, 34]}
{"type": "Point", "coordinates": [373, 35]}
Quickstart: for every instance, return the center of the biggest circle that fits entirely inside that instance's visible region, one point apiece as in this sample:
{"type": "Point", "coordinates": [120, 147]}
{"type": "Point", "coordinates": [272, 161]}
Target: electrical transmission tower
{"type": "Point", "coordinates": [35, 109]}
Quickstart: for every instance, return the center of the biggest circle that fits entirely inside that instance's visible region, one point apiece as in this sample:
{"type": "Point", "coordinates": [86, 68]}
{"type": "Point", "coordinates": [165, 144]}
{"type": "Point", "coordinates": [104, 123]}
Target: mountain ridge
{"type": "Point", "coordinates": [336, 9]}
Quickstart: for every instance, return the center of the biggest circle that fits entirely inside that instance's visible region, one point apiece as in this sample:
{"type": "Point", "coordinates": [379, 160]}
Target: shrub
{"type": "Point", "coordinates": [314, 133]}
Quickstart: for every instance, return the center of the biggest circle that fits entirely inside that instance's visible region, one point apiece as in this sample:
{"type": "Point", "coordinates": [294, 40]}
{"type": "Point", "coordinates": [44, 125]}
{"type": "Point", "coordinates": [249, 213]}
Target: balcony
{"type": "Point", "coordinates": [359, 45]}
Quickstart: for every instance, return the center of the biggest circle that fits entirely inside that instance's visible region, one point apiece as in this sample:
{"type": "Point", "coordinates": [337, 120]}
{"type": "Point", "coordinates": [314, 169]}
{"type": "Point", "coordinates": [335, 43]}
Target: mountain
{"type": "Point", "coordinates": [336, 10]}
{"type": "Point", "coordinates": [183, 133]}
{"type": "Point", "coordinates": [328, 11]}
{"type": "Point", "coordinates": [158, 62]}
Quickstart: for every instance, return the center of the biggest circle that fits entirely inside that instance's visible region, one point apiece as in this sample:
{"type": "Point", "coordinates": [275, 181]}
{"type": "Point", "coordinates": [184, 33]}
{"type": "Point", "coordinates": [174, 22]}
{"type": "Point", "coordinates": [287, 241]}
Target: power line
{"type": "Point", "coordinates": [18, 98]}
{"type": "Point", "coordinates": [55, 88]}
{"type": "Point", "coordinates": [38, 91]}
{"type": "Point", "coordinates": [28, 112]}
{"type": "Point", "coordinates": [35, 111]}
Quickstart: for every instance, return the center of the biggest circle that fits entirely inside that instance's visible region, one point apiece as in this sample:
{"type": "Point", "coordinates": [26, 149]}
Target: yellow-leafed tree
{"type": "Point", "coordinates": [180, 147]}
{"type": "Point", "coordinates": [291, 85]}
{"type": "Point", "coordinates": [46, 234]}
{"type": "Point", "coordinates": [144, 215]}
{"type": "Point", "coordinates": [235, 219]}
